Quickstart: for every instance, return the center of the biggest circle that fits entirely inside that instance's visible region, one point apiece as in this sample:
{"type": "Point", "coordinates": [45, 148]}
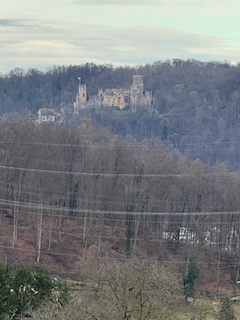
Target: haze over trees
{"type": "Point", "coordinates": [85, 171]}
{"type": "Point", "coordinates": [196, 104]}
{"type": "Point", "coordinates": [159, 182]}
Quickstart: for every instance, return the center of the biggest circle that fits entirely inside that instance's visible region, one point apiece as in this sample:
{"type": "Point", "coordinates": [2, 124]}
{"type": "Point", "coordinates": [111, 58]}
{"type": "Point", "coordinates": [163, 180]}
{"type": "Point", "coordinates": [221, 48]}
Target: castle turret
{"type": "Point", "coordinates": [137, 84]}
{"type": "Point", "coordinates": [81, 97]}
{"type": "Point", "coordinates": [115, 97]}
{"type": "Point", "coordinates": [82, 92]}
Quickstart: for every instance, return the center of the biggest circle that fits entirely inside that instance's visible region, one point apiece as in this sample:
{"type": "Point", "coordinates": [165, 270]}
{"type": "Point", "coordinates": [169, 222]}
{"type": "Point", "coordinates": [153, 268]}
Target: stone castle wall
{"type": "Point", "coordinates": [115, 97]}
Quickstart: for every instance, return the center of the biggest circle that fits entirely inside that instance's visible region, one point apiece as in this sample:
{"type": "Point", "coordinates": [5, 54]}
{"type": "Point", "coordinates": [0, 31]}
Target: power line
{"type": "Point", "coordinates": [170, 241]}
{"type": "Point", "coordinates": [100, 200]}
{"type": "Point", "coordinates": [79, 256]}
{"type": "Point", "coordinates": [98, 145]}
{"type": "Point", "coordinates": [97, 174]}
{"type": "Point", "coordinates": [123, 202]}
{"type": "Point", "coordinates": [111, 258]}
{"type": "Point", "coordinates": [99, 212]}
{"type": "Point", "coordinates": [112, 144]}
{"type": "Point", "coordinates": [51, 207]}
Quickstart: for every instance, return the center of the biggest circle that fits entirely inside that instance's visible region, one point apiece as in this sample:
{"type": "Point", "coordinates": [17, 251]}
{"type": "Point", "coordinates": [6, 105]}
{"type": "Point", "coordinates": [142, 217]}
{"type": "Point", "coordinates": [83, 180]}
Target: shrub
{"type": "Point", "coordinates": [22, 289]}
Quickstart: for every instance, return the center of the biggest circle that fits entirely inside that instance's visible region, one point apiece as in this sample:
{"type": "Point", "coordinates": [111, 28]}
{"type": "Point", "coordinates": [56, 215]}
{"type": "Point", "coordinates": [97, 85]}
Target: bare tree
{"type": "Point", "coordinates": [39, 235]}
{"type": "Point", "coordinates": [131, 290]}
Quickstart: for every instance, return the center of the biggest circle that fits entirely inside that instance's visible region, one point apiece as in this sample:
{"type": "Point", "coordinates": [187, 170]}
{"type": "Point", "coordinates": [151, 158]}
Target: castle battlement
{"type": "Point", "coordinates": [120, 98]}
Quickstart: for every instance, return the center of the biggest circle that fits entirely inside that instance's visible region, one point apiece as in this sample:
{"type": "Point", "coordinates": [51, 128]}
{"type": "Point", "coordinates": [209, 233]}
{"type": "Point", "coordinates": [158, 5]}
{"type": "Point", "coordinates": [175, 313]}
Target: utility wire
{"type": "Point", "coordinates": [143, 214]}
{"type": "Point", "coordinates": [111, 258]}
{"type": "Point", "coordinates": [101, 200]}
{"type": "Point", "coordinates": [170, 242]}
{"type": "Point", "coordinates": [124, 212]}
{"type": "Point", "coordinates": [112, 144]}
{"type": "Point", "coordinates": [97, 174]}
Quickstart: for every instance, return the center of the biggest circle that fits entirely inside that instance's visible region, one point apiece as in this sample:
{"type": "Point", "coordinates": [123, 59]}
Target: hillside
{"type": "Point", "coordinates": [195, 109]}
{"type": "Point", "coordinates": [160, 183]}
{"type": "Point", "coordinates": [71, 196]}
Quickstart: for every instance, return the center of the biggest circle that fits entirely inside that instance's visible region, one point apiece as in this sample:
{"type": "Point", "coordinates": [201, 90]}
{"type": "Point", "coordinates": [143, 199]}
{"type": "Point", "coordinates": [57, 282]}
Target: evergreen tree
{"type": "Point", "coordinates": [21, 289]}
{"type": "Point", "coordinates": [5, 292]}
{"type": "Point", "coordinates": [189, 280]}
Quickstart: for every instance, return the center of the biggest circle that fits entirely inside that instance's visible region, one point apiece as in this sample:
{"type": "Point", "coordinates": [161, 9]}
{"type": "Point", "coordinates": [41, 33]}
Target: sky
{"type": "Point", "coordinates": [44, 33]}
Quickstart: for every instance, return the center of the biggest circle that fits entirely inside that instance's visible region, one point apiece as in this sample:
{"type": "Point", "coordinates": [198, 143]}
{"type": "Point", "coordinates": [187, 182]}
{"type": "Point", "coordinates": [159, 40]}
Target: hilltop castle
{"type": "Point", "coordinates": [120, 98]}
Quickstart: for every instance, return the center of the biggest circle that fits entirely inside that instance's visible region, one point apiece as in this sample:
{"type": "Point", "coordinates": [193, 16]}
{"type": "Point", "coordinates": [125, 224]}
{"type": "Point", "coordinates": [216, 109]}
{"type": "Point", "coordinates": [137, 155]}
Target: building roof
{"type": "Point", "coordinates": [47, 112]}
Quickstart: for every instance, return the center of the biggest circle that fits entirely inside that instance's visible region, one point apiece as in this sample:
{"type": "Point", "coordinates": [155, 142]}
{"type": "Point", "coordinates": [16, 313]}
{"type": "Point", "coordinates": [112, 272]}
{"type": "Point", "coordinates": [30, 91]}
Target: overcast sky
{"type": "Point", "coordinates": [42, 33]}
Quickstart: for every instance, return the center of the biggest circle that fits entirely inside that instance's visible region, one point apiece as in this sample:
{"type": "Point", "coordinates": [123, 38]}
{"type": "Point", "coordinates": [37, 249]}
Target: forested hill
{"type": "Point", "coordinates": [196, 105]}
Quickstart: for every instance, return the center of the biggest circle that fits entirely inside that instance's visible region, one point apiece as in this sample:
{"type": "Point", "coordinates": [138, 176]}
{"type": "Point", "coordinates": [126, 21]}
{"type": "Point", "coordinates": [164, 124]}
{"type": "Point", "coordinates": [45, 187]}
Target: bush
{"type": "Point", "coordinates": [22, 289]}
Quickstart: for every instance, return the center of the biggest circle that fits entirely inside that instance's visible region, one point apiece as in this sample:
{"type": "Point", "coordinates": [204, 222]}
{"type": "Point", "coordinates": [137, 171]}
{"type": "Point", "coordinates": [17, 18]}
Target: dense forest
{"type": "Point", "coordinates": [195, 108]}
{"type": "Point", "coordinates": [87, 171]}
{"type": "Point", "coordinates": [159, 184]}
{"type": "Point", "coordinates": [83, 193]}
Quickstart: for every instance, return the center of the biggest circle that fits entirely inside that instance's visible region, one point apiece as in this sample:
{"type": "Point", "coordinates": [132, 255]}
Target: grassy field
{"type": "Point", "coordinates": [201, 309]}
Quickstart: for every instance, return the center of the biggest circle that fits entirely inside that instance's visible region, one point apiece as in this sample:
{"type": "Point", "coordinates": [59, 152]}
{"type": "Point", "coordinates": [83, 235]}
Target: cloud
{"type": "Point", "coordinates": [119, 2]}
{"type": "Point", "coordinates": [189, 8]}
{"type": "Point", "coordinates": [162, 43]}
{"type": "Point", "coordinates": [12, 22]}
{"type": "Point", "coordinates": [44, 43]}
{"type": "Point", "coordinates": [125, 48]}
{"type": "Point", "coordinates": [142, 2]}
{"type": "Point", "coordinates": [48, 52]}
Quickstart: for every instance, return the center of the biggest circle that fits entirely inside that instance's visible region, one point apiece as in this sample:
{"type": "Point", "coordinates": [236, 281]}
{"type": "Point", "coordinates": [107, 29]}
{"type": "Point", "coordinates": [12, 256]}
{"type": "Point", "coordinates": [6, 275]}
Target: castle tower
{"type": "Point", "coordinates": [81, 98]}
{"type": "Point", "coordinates": [134, 100]}
{"type": "Point", "coordinates": [82, 92]}
{"type": "Point", "coordinates": [137, 84]}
